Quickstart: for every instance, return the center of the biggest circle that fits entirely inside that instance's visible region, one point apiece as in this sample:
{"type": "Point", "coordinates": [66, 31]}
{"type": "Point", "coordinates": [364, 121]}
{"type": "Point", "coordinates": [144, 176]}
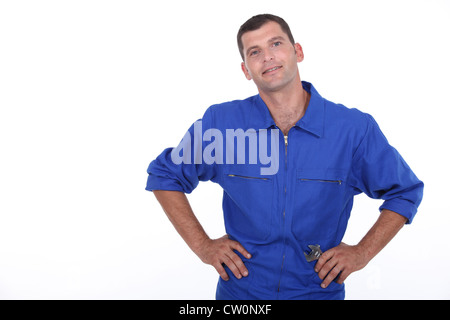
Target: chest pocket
{"type": "Point", "coordinates": [319, 203]}
{"type": "Point", "coordinates": [247, 203]}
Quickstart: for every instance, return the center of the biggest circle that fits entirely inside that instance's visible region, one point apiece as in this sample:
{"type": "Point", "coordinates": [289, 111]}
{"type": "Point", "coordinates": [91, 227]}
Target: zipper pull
{"type": "Point", "coordinates": [285, 140]}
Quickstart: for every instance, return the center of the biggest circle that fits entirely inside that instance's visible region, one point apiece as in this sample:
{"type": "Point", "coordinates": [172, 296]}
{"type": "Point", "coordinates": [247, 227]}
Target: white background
{"type": "Point", "coordinates": [92, 91]}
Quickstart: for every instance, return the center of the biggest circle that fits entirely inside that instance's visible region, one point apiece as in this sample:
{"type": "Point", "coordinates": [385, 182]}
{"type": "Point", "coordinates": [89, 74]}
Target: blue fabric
{"type": "Point", "coordinates": [332, 154]}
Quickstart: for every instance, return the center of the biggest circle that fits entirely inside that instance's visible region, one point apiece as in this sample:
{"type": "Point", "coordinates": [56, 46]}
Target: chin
{"type": "Point", "coordinates": [273, 87]}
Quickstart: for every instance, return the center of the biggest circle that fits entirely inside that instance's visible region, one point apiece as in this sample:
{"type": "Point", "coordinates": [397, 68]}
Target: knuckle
{"type": "Point", "coordinates": [319, 263]}
{"type": "Point", "coordinates": [334, 273]}
{"type": "Point", "coordinates": [236, 246]}
{"type": "Point", "coordinates": [220, 270]}
{"type": "Point", "coordinates": [326, 255]}
{"type": "Point", "coordinates": [236, 259]}
{"type": "Point", "coordinates": [322, 274]}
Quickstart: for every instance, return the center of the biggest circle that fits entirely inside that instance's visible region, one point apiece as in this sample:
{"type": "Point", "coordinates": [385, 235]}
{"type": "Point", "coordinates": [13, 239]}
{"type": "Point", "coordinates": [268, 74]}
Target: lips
{"type": "Point", "coordinates": [272, 69]}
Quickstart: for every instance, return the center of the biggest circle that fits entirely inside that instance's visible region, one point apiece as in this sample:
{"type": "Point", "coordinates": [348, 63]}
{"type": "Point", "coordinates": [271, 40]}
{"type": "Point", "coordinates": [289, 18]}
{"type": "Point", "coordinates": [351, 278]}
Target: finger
{"type": "Point", "coordinates": [240, 248]}
{"type": "Point", "coordinates": [232, 266]}
{"type": "Point", "coordinates": [221, 270]}
{"type": "Point", "coordinates": [342, 277]}
{"type": "Point", "coordinates": [327, 255]}
{"type": "Point", "coordinates": [330, 277]}
{"type": "Point", "coordinates": [329, 265]}
{"type": "Point", "coordinates": [239, 264]}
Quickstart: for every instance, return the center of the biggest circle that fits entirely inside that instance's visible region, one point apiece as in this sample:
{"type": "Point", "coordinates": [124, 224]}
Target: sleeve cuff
{"type": "Point", "coordinates": [402, 207]}
{"type": "Point", "coordinates": [158, 183]}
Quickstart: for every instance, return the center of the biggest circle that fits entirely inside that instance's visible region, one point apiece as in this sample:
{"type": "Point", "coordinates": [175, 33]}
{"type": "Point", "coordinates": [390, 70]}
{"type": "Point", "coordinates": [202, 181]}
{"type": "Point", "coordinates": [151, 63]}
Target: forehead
{"type": "Point", "coordinates": [260, 36]}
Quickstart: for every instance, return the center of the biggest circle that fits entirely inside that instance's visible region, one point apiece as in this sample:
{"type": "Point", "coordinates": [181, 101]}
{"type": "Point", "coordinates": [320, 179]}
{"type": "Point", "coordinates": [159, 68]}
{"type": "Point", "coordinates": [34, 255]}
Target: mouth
{"type": "Point", "coordinates": [272, 69]}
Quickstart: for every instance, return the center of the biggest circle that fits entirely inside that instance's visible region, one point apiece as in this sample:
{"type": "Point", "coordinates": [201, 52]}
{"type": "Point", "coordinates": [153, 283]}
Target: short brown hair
{"type": "Point", "coordinates": [256, 22]}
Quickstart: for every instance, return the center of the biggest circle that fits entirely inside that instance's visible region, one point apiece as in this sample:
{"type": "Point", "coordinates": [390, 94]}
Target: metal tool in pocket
{"type": "Point", "coordinates": [314, 254]}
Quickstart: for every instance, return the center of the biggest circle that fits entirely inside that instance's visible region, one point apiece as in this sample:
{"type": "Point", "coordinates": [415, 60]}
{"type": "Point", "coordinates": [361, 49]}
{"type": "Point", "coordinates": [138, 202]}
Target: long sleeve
{"type": "Point", "coordinates": [181, 168]}
{"type": "Point", "coordinates": [379, 171]}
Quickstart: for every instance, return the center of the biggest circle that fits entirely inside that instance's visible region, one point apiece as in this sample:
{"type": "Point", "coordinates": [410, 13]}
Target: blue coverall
{"type": "Point", "coordinates": [332, 154]}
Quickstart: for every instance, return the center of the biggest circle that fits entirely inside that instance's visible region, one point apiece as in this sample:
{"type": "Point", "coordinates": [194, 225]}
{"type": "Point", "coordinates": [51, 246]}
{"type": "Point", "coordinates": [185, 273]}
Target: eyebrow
{"type": "Point", "coordinates": [268, 41]}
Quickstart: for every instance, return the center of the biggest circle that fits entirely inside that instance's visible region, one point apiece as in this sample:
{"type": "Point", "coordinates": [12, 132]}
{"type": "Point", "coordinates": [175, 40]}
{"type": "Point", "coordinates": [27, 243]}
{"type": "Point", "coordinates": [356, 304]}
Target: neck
{"type": "Point", "coordinates": [287, 105]}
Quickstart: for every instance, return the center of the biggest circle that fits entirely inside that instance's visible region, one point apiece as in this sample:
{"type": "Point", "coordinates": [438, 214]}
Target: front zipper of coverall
{"type": "Point", "coordinates": [284, 207]}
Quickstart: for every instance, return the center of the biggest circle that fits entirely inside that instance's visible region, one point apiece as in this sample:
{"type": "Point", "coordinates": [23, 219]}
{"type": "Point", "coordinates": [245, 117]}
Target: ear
{"type": "Point", "coordinates": [244, 69]}
{"type": "Point", "coordinates": [299, 52]}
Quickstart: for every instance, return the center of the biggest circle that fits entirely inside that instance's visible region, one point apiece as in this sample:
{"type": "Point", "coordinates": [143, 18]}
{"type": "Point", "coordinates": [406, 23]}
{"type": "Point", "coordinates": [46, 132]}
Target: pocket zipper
{"type": "Point", "coordinates": [246, 177]}
{"type": "Point", "coordinates": [320, 180]}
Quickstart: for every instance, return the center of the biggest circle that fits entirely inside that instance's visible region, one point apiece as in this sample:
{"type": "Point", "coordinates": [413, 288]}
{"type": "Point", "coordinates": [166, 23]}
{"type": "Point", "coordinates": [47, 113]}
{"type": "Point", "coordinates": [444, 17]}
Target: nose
{"type": "Point", "coordinates": [268, 55]}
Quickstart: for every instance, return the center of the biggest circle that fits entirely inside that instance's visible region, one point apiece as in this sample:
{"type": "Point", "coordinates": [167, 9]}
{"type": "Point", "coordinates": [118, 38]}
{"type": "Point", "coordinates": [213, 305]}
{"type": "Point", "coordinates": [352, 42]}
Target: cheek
{"type": "Point", "coordinates": [252, 71]}
{"type": "Point", "coordinates": [247, 72]}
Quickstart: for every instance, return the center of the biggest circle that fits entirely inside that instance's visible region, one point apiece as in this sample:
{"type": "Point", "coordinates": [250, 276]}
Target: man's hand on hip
{"type": "Point", "coordinates": [344, 259]}
{"type": "Point", "coordinates": [221, 251]}
{"type": "Point", "coordinates": [339, 261]}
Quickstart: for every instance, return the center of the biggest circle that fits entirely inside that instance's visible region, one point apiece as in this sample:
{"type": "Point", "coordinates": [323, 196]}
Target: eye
{"type": "Point", "coordinates": [254, 53]}
{"type": "Point", "coordinates": [276, 44]}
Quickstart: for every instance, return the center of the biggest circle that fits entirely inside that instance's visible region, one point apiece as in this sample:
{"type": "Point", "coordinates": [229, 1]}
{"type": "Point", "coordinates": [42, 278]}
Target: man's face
{"type": "Point", "coordinates": [270, 59]}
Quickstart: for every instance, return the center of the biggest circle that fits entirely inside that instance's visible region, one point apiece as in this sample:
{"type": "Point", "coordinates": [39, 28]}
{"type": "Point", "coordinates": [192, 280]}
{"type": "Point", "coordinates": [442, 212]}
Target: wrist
{"type": "Point", "coordinates": [364, 252]}
{"type": "Point", "coordinates": [200, 245]}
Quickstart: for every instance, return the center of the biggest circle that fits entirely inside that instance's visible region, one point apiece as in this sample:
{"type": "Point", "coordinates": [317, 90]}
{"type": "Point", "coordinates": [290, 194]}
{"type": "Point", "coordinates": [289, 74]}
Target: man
{"type": "Point", "coordinates": [278, 207]}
